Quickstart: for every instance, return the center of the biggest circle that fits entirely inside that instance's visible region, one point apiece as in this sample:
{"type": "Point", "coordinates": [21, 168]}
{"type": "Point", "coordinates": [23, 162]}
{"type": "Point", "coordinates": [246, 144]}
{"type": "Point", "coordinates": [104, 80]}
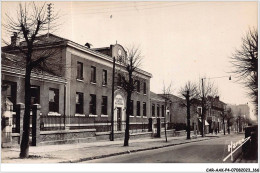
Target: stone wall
{"type": "Point", "coordinates": [15, 138]}
{"type": "Point", "coordinates": [67, 136]}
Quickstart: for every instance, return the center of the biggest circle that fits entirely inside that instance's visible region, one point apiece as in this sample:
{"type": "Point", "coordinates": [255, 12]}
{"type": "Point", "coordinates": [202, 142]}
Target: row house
{"type": "Point", "coordinates": [215, 113]}
{"type": "Point", "coordinates": [157, 108]}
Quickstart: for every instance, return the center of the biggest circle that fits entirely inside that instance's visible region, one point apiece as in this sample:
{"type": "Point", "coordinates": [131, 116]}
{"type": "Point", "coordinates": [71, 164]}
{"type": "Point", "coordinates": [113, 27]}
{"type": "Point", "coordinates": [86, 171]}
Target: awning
{"type": "Point", "coordinates": [206, 122]}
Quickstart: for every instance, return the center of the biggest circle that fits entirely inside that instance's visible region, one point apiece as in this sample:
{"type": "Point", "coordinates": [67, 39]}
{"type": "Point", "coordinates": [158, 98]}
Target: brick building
{"type": "Point", "coordinates": [79, 84]}
{"type": "Point", "coordinates": [215, 113]}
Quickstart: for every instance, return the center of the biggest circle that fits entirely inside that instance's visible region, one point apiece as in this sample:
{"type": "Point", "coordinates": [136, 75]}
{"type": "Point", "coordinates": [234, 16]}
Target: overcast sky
{"type": "Point", "coordinates": [180, 41]}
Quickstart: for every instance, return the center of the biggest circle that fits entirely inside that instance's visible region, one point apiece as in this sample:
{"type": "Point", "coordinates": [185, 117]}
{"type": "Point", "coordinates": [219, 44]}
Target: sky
{"type": "Point", "coordinates": [179, 41]}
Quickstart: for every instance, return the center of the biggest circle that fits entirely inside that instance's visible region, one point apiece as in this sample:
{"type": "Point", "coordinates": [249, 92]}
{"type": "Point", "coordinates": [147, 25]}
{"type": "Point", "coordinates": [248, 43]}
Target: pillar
{"type": "Point", "coordinates": [150, 125]}
{"type": "Point", "coordinates": [19, 115]}
{"type": "Point", "coordinates": [158, 127]}
{"type": "Point", "coordinates": [36, 108]}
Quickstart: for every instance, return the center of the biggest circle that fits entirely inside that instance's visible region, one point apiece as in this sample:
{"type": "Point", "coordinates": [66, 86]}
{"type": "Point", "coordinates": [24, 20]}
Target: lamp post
{"type": "Point", "coordinates": [112, 106]}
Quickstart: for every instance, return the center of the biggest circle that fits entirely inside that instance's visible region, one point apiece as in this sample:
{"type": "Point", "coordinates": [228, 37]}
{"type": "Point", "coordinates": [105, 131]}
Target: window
{"type": "Point", "coordinates": [158, 110]}
{"type": "Point", "coordinates": [35, 94]}
{"type": "Point", "coordinates": [93, 74]}
{"type": "Point", "coordinates": [144, 109]}
{"type": "Point", "coordinates": [104, 77]}
{"type": "Point", "coordinates": [119, 80]}
{"type": "Point", "coordinates": [132, 108]}
{"type": "Point", "coordinates": [163, 110]}
{"type": "Point", "coordinates": [123, 81]}
{"type": "Point", "coordinates": [11, 92]}
{"type": "Point", "coordinates": [53, 100]}
{"type": "Point", "coordinates": [137, 85]}
{"type": "Point", "coordinates": [138, 108]}
{"type": "Point", "coordinates": [79, 103]}
{"type": "Point", "coordinates": [144, 87]}
{"type": "Point", "coordinates": [79, 70]}
{"type": "Point", "coordinates": [199, 110]}
{"type": "Point", "coordinates": [92, 104]}
{"type": "Point", "coordinates": [104, 105]}
{"type": "Point", "coordinates": [153, 110]}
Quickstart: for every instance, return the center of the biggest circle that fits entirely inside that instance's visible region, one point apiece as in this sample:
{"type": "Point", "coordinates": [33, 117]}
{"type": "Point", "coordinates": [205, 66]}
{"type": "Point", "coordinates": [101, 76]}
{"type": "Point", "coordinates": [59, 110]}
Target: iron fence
{"type": "Point", "coordinates": [50, 122]}
{"type": "Point", "coordinates": [79, 122]}
{"type": "Point", "coordinates": [102, 125]}
{"type": "Point", "coordinates": [138, 127]}
{"type": "Point", "coordinates": [15, 128]}
{"type": "Point", "coordinates": [177, 126]}
{"type": "Point", "coordinates": [134, 127]}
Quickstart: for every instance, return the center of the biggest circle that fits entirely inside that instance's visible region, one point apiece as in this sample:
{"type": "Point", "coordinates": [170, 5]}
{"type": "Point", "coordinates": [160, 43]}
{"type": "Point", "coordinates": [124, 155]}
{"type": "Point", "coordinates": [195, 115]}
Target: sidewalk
{"type": "Point", "coordinates": [240, 159]}
{"type": "Point", "coordinates": [73, 153]}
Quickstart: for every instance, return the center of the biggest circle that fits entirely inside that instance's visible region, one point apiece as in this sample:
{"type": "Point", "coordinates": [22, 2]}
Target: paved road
{"type": "Point", "coordinates": [210, 151]}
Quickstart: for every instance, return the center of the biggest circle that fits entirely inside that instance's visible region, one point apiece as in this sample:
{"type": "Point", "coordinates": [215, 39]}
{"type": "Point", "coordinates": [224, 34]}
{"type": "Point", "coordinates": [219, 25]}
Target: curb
{"type": "Point", "coordinates": [127, 152]}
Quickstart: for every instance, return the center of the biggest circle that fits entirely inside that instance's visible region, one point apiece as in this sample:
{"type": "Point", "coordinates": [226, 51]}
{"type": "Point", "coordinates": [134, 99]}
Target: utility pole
{"type": "Point", "coordinates": [112, 107]}
{"type": "Point", "coordinates": [188, 114]}
{"type": "Point", "coordinates": [165, 117]}
{"type": "Point", "coordinates": [224, 130]}
{"type": "Point", "coordinates": [49, 16]}
{"type": "Point", "coordinates": [203, 109]}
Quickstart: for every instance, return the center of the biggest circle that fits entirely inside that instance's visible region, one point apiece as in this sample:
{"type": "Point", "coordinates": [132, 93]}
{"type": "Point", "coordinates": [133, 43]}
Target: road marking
{"type": "Point", "coordinates": [231, 153]}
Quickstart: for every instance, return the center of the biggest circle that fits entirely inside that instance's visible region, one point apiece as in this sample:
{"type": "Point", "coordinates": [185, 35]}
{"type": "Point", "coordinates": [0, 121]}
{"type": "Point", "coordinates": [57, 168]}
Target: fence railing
{"type": "Point", "coordinates": [138, 127]}
{"type": "Point", "coordinates": [48, 123]}
{"type": "Point", "coordinates": [14, 126]}
{"type": "Point", "coordinates": [176, 126]}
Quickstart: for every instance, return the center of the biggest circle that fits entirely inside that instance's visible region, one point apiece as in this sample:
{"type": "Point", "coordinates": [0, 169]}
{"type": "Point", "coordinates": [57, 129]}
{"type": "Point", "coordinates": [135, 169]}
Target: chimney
{"type": "Point", "coordinates": [15, 39]}
{"type": "Point", "coordinates": [88, 45]}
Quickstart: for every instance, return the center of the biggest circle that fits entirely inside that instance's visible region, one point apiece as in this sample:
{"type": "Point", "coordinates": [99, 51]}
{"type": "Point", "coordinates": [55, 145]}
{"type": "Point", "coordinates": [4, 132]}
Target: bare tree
{"type": "Point", "coordinates": [229, 118]}
{"type": "Point", "coordinates": [30, 23]}
{"type": "Point", "coordinates": [205, 91]}
{"type": "Point", "coordinates": [245, 62]}
{"type": "Point", "coordinates": [190, 93]}
{"type": "Point", "coordinates": [130, 81]}
{"type": "Point", "coordinates": [167, 91]}
{"type": "Point", "coordinates": [224, 115]}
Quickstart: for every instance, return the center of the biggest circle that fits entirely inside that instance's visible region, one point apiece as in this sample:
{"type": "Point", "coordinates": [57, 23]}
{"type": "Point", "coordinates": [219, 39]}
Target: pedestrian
{"type": "Point", "coordinates": [216, 131]}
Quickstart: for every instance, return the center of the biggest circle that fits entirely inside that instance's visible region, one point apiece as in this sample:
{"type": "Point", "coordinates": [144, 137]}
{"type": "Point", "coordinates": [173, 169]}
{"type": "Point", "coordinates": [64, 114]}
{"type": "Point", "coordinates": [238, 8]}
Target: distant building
{"type": "Point", "coordinates": [215, 114]}
{"type": "Point", "coordinates": [157, 107]}
{"type": "Point", "coordinates": [241, 115]}
{"type": "Point", "coordinates": [241, 109]}
{"type": "Point", "coordinates": [178, 113]}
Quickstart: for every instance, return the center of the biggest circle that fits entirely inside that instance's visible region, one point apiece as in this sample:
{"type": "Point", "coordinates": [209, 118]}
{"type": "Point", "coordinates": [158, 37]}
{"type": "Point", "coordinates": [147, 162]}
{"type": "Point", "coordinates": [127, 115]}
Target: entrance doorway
{"type": "Point", "coordinates": [119, 115]}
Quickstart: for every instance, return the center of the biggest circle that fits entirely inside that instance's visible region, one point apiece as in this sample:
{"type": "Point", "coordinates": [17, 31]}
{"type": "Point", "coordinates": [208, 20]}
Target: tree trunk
{"type": "Point", "coordinates": [188, 115]}
{"type": "Point", "coordinates": [224, 126]}
{"type": "Point", "coordinates": [228, 126]}
{"type": "Point", "coordinates": [24, 147]}
{"type": "Point", "coordinates": [165, 116]}
{"type": "Point", "coordinates": [203, 122]}
{"type": "Point", "coordinates": [128, 102]}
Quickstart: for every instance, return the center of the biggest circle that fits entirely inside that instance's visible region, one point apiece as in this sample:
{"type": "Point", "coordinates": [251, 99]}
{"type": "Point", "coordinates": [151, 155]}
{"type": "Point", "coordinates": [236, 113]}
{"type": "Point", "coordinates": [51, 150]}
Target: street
{"type": "Point", "coordinates": [209, 151]}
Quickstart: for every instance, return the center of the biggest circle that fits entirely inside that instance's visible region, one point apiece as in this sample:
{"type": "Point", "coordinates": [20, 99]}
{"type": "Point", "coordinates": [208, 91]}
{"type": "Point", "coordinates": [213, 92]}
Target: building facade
{"type": "Point", "coordinates": [82, 87]}
{"type": "Point", "coordinates": [216, 115]}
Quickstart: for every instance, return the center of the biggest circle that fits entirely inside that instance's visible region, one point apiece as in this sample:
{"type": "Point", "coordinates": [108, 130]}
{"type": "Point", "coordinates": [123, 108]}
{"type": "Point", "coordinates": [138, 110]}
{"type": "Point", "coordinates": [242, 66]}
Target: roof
{"type": "Point", "coordinates": [43, 40]}
{"type": "Point", "coordinates": [40, 41]}
{"type": "Point", "coordinates": [14, 63]}
{"type": "Point", "coordinates": [104, 50]}
{"type": "Point", "coordinates": [156, 97]}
